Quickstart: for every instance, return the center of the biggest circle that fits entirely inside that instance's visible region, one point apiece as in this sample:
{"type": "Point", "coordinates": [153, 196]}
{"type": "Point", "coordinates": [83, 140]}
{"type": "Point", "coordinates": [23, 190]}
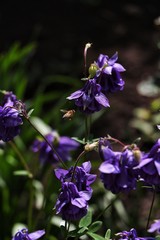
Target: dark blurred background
{"type": "Point", "coordinates": [61, 29]}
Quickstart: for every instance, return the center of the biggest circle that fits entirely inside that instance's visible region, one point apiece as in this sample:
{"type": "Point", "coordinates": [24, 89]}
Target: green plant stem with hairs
{"type": "Point", "coordinates": [49, 144]}
{"type": "Point", "coordinates": [151, 207]}
{"type": "Point", "coordinates": [21, 158]}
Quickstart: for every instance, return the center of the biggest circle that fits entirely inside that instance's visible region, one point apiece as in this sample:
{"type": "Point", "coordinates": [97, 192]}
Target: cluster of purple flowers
{"type": "Point", "coordinates": [104, 77]}
{"type": "Point", "coordinates": [131, 235]}
{"type": "Point", "coordinates": [121, 170]}
{"type": "Point", "coordinates": [62, 144]}
{"type": "Point", "coordinates": [75, 193]}
{"type": "Point", "coordinates": [24, 235]}
{"type": "Point", "coordinates": [10, 118]}
{"type": "Point", "coordinates": [117, 170]}
{"type": "Point", "coordinates": [149, 166]}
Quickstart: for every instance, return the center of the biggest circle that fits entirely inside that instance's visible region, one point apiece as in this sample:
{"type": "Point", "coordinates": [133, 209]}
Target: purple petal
{"type": "Point", "coordinates": [75, 95]}
{"type": "Point", "coordinates": [108, 168]}
{"type": "Point", "coordinates": [143, 163]}
{"type": "Point", "coordinates": [68, 143]}
{"type": "Point", "coordinates": [113, 59]}
{"type": "Point", "coordinates": [85, 194]}
{"type": "Point", "coordinates": [87, 166]}
{"type": "Point", "coordinates": [119, 67]}
{"type": "Point", "coordinates": [155, 226]}
{"type": "Point", "coordinates": [157, 164]}
{"type": "Point", "coordinates": [36, 235]}
{"type": "Point", "coordinates": [60, 173]}
{"type": "Point", "coordinates": [101, 99]}
{"type": "Point", "coordinates": [108, 70]}
{"type": "Point", "coordinates": [79, 202]}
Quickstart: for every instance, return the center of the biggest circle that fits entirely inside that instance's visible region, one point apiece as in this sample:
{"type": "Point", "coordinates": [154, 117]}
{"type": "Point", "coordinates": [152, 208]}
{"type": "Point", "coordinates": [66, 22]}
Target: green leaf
{"type": "Point", "coordinates": [30, 112]}
{"type": "Point", "coordinates": [108, 234]}
{"type": "Point", "coordinates": [157, 237]}
{"type": "Point", "coordinates": [72, 233]}
{"type": "Point", "coordinates": [79, 140]}
{"type": "Point", "coordinates": [22, 173]}
{"type": "Point", "coordinates": [95, 236]}
{"type": "Point", "coordinates": [94, 227]}
{"type": "Point", "coordinates": [86, 220]}
{"type": "Point", "coordinates": [77, 233]}
{"type": "Point", "coordinates": [82, 230]}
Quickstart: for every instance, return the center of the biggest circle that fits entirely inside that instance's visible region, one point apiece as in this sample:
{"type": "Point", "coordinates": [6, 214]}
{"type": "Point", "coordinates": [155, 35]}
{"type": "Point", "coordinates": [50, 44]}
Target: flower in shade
{"type": "Point", "coordinates": [24, 235]}
{"type": "Point", "coordinates": [82, 177]}
{"type": "Point", "coordinates": [9, 98]}
{"type": "Point", "coordinates": [117, 170]}
{"type": "Point", "coordinates": [155, 227]}
{"type": "Point", "coordinates": [10, 119]}
{"type": "Point", "coordinates": [90, 98]}
{"type": "Point", "coordinates": [109, 73]}
{"type": "Point", "coordinates": [131, 235]}
{"type": "Point", "coordinates": [73, 200]}
{"type": "Point", "coordinates": [71, 203]}
{"type": "Point", "coordinates": [149, 166]}
{"type": "Point", "coordinates": [62, 144]}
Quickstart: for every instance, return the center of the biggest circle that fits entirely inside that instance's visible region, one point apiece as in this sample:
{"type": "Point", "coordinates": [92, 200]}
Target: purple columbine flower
{"type": "Point", "coordinates": [155, 226]}
{"type": "Point", "coordinates": [24, 235]}
{"type": "Point", "coordinates": [117, 170]}
{"type": "Point", "coordinates": [108, 73]}
{"type": "Point", "coordinates": [73, 200]}
{"type": "Point", "coordinates": [62, 144]}
{"type": "Point", "coordinates": [149, 166]}
{"type": "Point", "coordinates": [131, 235]}
{"type": "Point", "coordinates": [9, 98]}
{"type": "Point", "coordinates": [10, 119]}
{"type": "Point", "coordinates": [71, 203]}
{"type": "Point", "coordinates": [82, 177]}
{"type": "Point", "coordinates": [90, 98]}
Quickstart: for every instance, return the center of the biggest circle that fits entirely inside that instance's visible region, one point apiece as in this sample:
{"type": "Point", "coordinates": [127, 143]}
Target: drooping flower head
{"type": "Point", "coordinates": [149, 166]}
{"type": "Point", "coordinates": [24, 235]}
{"type": "Point", "coordinates": [131, 235]}
{"type": "Point", "coordinates": [62, 144]}
{"type": "Point", "coordinates": [73, 200]}
{"type": "Point", "coordinates": [90, 98]}
{"type": "Point", "coordinates": [71, 203]}
{"type": "Point", "coordinates": [109, 73]}
{"type": "Point", "coordinates": [82, 176]}
{"type": "Point", "coordinates": [10, 118]}
{"type": "Point", "coordinates": [104, 77]}
{"type": "Point", "coordinates": [117, 169]}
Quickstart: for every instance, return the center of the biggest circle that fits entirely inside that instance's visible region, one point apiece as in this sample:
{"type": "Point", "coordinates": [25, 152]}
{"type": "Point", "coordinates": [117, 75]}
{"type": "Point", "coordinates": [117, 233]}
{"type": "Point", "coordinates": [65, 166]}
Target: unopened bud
{"type": "Point", "coordinates": [92, 70]}
{"type": "Point", "coordinates": [90, 147]}
{"type": "Point", "coordinates": [137, 154]}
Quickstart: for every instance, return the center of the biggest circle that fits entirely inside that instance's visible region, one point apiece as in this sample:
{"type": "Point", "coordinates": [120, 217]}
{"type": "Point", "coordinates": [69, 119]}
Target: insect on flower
{"type": "Point", "coordinates": [69, 114]}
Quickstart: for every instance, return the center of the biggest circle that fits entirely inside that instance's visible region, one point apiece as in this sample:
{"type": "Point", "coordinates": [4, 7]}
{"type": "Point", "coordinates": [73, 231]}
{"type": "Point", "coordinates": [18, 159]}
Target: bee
{"type": "Point", "coordinates": [69, 114]}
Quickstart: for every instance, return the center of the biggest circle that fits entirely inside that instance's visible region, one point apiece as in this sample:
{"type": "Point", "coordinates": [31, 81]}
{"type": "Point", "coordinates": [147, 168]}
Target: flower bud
{"type": "Point", "coordinates": [137, 154]}
{"type": "Point", "coordinates": [92, 70]}
{"type": "Point", "coordinates": [89, 147]}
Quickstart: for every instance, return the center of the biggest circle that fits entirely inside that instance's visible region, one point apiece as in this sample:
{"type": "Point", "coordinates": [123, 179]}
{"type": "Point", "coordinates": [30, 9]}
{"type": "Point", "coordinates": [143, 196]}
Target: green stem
{"type": "Point", "coordinates": [30, 175]}
{"type": "Point", "coordinates": [78, 158]}
{"type": "Point", "coordinates": [106, 208]}
{"type": "Point", "coordinates": [151, 208]}
{"type": "Point", "coordinates": [87, 127]}
{"type": "Point", "coordinates": [51, 146]}
{"type": "Point", "coordinates": [13, 145]}
{"type": "Point", "coordinates": [30, 206]}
